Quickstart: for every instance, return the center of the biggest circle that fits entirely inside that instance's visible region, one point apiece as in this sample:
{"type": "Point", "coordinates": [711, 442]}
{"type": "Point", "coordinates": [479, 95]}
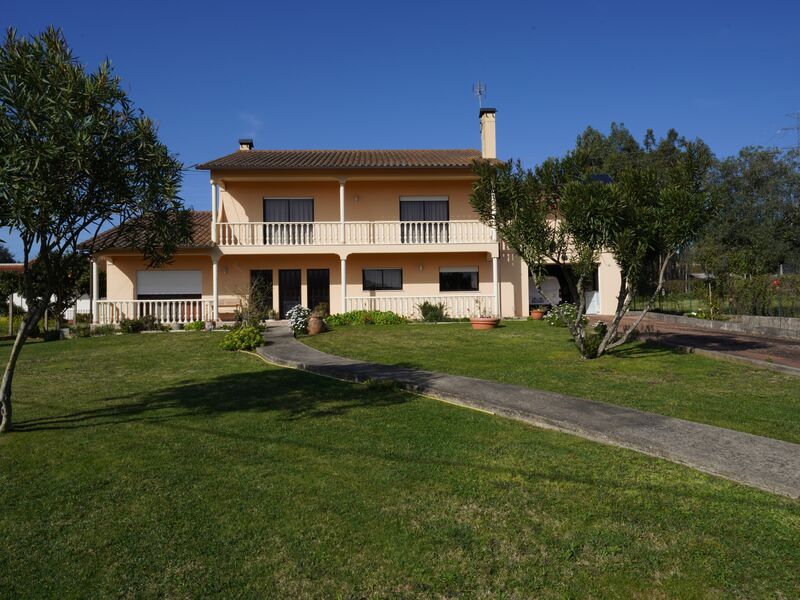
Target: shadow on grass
{"type": "Point", "coordinates": [294, 393]}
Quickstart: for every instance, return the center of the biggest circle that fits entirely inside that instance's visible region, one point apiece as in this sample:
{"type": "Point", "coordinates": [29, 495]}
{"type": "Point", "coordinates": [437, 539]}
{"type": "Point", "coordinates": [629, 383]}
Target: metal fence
{"type": "Point", "coordinates": [763, 295]}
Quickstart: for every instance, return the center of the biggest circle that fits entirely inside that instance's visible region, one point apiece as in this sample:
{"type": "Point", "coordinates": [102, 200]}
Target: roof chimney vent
{"type": "Point", "coordinates": [488, 139]}
{"type": "Point", "coordinates": [246, 144]}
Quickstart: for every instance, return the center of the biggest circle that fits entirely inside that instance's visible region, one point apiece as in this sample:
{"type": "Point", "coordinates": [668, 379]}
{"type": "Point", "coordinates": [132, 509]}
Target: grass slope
{"type": "Point", "coordinates": [160, 466]}
{"type": "Point", "coordinates": [644, 376]}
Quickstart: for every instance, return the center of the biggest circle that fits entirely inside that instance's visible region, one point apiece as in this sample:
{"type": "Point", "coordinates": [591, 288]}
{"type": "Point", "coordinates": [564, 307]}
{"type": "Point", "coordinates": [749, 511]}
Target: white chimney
{"type": "Point", "coordinates": [246, 144]}
{"type": "Point", "coordinates": [488, 138]}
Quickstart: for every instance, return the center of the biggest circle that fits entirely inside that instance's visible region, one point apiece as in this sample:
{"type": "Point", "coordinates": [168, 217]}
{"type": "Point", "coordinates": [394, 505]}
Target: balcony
{"type": "Point", "coordinates": [112, 312]}
{"type": "Point", "coordinates": [352, 233]}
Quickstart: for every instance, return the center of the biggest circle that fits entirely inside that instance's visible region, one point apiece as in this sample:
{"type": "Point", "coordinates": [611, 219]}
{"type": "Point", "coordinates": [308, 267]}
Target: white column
{"type": "Point", "coordinates": [11, 314]}
{"type": "Point", "coordinates": [494, 218]}
{"type": "Point", "coordinates": [95, 291]}
{"type": "Point", "coordinates": [496, 284]}
{"type": "Point", "coordinates": [344, 285]}
{"type": "Point", "coordinates": [341, 211]}
{"type": "Point", "coordinates": [214, 205]}
{"type": "Point", "coordinates": [215, 287]}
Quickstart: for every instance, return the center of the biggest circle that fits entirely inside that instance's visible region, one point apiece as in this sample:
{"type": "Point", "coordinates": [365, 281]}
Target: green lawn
{"type": "Point", "coordinates": [161, 466]}
{"type": "Point", "coordinates": [648, 377]}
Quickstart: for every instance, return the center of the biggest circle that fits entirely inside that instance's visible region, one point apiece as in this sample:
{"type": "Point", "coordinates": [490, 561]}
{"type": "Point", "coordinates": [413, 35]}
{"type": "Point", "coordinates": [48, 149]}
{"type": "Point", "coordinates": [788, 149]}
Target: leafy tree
{"type": "Point", "coordinates": [75, 156]}
{"type": "Point", "coordinates": [5, 254]}
{"type": "Point", "coordinates": [757, 227]}
{"type": "Point", "coordinates": [641, 203]}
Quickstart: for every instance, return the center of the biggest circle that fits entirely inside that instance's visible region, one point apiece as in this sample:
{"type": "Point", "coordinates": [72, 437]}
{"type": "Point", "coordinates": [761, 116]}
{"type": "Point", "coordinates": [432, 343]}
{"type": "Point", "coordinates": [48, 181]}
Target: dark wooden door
{"type": "Point", "coordinates": [319, 288]}
{"type": "Point", "coordinates": [288, 289]}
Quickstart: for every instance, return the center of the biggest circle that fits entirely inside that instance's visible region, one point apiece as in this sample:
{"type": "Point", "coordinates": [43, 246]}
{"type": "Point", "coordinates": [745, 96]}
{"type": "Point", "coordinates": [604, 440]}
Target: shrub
{"type": "Point", "coordinates": [104, 330]}
{"type": "Point", "coordinates": [81, 329]}
{"type": "Point", "coordinates": [562, 314]}
{"type": "Point", "coordinates": [433, 313]}
{"type": "Point", "coordinates": [51, 335]}
{"type": "Point", "coordinates": [242, 338]}
{"type": "Point", "coordinates": [298, 319]}
{"type": "Point", "coordinates": [195, 326]}
{"type": "Point", "coordinates": [145, 323]}
{"type": "Point", "coordinates": [366, 317]}
{"type": "Point", "coordinates": [131, 326]}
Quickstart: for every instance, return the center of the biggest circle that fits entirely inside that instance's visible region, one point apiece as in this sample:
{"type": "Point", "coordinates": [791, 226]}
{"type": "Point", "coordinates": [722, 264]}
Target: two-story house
{"type": "Point", "coordinates": [354, 229]}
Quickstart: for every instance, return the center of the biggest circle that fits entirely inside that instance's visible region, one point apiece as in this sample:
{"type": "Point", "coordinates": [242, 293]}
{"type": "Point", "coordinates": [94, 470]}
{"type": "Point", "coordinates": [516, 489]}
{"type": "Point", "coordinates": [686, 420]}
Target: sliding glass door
{"type": "Point", "coordinates": [293, 220]}
{"type": "Point", "coordinates": [424, 220]}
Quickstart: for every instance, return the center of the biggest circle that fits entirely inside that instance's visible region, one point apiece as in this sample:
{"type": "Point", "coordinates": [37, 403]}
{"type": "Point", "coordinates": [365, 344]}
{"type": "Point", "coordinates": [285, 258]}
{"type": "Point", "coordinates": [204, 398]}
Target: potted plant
{"type": "Point", "coordinates": [482, 318]}
{"type": "Point", "coordinates": [538, 312]}
{"type": "Point", "coordinates": [316, 322]}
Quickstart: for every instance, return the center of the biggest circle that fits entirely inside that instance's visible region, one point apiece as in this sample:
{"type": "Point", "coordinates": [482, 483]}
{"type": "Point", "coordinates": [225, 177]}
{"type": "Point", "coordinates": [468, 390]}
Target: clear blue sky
{"type": "Point", "coordinates": [400, 74]}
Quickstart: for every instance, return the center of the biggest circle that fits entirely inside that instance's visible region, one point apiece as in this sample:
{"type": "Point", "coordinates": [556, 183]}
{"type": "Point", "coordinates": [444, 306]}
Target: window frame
{"type": "Point", "coordinates": [364, 287]}
{"type": "Point", "coordinates": [462, 269]}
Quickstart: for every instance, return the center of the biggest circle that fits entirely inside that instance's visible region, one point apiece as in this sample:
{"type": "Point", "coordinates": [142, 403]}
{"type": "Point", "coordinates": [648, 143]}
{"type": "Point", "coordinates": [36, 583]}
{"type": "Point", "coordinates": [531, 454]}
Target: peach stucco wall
{"type": "Point", "coordinates": [364, 200]}
{"type": "Point", "coordinates": [121, 273]}
{"type": "Point", "coordinates": [234, 275]}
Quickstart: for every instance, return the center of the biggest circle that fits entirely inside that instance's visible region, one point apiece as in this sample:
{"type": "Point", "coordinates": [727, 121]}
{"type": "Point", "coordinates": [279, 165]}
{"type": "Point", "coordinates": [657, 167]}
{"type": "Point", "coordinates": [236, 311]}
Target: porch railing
{"type": "Point", "coordinates": [329, 233]}
{"type": "Point", "coordinates": [457, 306]}
{"type": "Point", "coordinates": [111, 312]}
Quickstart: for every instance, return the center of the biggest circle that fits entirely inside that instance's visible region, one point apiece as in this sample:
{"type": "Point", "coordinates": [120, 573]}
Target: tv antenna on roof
{"type": "Point", "coordinates": [479, 89]}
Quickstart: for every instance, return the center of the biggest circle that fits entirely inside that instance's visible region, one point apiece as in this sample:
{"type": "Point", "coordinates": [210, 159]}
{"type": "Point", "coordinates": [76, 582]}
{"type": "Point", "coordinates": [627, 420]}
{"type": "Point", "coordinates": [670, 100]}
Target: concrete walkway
{"type": "Point", "coordinates": [753, 460]}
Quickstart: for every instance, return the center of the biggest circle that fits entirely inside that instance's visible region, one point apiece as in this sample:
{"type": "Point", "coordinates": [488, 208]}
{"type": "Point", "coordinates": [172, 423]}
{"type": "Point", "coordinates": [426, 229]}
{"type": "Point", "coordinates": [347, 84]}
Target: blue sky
{"type": "Point", "coordinates": [400, 74]}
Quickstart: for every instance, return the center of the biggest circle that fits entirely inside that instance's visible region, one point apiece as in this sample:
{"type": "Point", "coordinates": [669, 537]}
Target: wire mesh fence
{"type": "Point", "coordinates": [709, 297]}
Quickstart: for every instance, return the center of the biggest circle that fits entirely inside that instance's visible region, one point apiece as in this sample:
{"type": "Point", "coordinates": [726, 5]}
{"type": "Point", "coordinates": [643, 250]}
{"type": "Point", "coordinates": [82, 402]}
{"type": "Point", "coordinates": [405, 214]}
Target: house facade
{"type": "Point", "coordinates": [350, 229]}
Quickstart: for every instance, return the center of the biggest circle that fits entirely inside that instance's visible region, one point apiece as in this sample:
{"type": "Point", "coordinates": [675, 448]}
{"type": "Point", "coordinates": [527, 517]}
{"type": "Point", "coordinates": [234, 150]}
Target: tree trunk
{"type": "Point", "coordinates": [645, 309]}
{"type": "Point", "coordinates": [25, 328]}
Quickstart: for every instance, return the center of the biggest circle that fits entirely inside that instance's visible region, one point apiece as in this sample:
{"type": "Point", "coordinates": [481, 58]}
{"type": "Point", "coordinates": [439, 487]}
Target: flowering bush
{"type": "Point", "coordinates": [560, 315]}
{"type": "Point", "coordinates": [242, 338]}
{"type": "Point", "coordinates": [298, 319]}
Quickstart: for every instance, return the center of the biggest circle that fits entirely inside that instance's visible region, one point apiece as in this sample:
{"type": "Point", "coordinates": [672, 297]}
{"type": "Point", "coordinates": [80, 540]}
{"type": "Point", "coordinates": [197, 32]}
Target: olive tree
{"type": "Point", "coordinates": [640, 203]}
{"type": "Point", "coordinates": [75, 156]}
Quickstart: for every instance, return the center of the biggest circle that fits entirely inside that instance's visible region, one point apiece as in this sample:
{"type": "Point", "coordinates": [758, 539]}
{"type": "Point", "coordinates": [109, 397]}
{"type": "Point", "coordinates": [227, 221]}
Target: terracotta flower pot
{"type": "Point", "coordinates": [537, 315]}
{"type": "Point", "coordinates": [484, 322]}
{"type": "Point", "coordinates": [315, 325]}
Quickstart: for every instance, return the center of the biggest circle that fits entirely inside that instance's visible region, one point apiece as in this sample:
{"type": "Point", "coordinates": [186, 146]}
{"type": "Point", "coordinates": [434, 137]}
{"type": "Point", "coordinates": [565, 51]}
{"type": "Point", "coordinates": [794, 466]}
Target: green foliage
{"type": "Point", "coordinates": [433, 312]}
{"type": "Point", "coordinates": [757, 225]}
{"type": "Point", "coordinates": [131, 326]}
{"type": "Point", "coordinates": [145, 323]}
{"type": "Point", "coordinates": [641, 203]}
{"type": "Point", "coordinates": [195, 326]}
{"type": "Point", "coordinates": [100, 330]}
{"type": "Point", "coordinates": [76, 155]}
{"type": "Point", "coordinates": [243, 338]}
{"type": "Point", "coordinates": [365, 317]}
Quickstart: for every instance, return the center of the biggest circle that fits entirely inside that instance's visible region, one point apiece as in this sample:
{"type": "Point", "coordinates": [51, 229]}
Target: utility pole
{"type": "Point", "coordinates": [795, 128]}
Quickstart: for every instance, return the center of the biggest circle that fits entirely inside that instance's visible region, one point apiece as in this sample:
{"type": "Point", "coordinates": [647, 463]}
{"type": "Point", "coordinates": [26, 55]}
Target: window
{"type": "Point", "coordinates": [288, 210]}
{"type": "Point", "coordinates": [285, 212]}
{"type": "Point", "coordinates": [169, 284]}
{"type": "Point", "coordinates": [458, 279]}
{"type": "Point", "coordinates": [382, 279]}
{"type": "Point", "coordinates": [424, 208]}
{"type": "Point", "coordinates": [425, 219]}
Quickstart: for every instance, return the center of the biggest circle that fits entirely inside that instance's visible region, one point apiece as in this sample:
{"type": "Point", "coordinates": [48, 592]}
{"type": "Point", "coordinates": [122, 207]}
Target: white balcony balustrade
{"type": "Point", "coordinates": [458, 307]}
{"type": "Point", "coordinates": [329, 233]}
{"type": "Point", "coordinates": [111, 312]}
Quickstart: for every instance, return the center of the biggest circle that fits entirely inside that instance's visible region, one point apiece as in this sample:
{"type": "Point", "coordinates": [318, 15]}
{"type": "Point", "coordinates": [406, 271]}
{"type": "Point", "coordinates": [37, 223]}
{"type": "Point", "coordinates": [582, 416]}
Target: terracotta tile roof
{"type": "Point", "coordinates": [345, 159]}
{"type": "Point", "coordinates": [11, 267]}
{"type": "Point", "coordinates": [201, 235]}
